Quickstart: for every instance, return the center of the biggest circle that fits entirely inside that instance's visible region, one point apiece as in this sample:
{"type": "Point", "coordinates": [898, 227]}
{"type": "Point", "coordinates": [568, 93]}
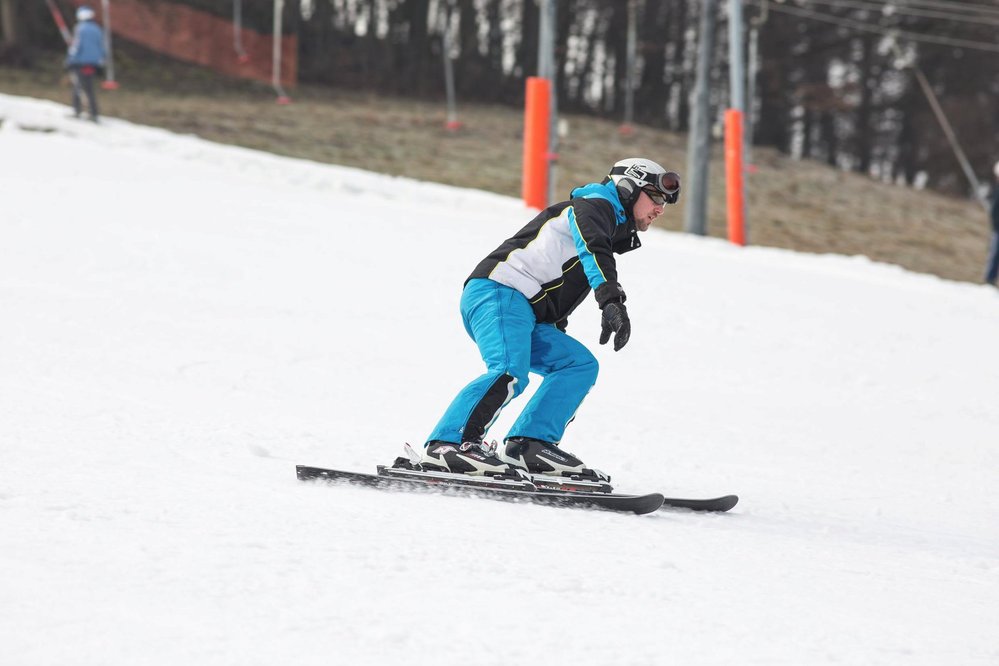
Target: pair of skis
{"type": "Point", "coordinates": [537, 489]}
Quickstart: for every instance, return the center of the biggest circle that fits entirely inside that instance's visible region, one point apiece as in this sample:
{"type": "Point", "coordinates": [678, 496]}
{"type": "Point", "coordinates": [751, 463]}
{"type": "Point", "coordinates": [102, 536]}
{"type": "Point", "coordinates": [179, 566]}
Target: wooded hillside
{"type": "Point", "coordinates": [835, 82]}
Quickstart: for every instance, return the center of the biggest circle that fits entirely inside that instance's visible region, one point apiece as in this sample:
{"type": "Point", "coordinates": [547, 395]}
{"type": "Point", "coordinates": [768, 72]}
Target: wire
{"type": "Point", "coordinates": [892, 9]}
{"type": "Point", "coordinates": [907, 34]}
{"type": "Point", "coordinates": [952, 5]}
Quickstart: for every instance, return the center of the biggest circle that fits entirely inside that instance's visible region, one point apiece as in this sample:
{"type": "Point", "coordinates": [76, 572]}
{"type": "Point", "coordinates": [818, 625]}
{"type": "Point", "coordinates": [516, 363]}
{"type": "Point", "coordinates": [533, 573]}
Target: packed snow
{"type": "Point", "coordinates": [183, 322]}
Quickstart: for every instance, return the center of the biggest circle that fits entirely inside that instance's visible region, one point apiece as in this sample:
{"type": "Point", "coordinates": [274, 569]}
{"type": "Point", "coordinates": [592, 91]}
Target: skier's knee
{"type": "Point", "coordinates": [520, 383]}
{"type": "Point", "coordinates": [589, 367]}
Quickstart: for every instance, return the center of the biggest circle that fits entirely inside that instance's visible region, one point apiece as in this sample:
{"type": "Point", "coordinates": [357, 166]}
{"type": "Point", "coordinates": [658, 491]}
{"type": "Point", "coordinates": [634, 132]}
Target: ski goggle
{"type": "Point", "coordinates": [658, 198]}
{"type": "Point", "coordinates": [666, 188]}
{"type": "Point", "coordinates": [668, 182]}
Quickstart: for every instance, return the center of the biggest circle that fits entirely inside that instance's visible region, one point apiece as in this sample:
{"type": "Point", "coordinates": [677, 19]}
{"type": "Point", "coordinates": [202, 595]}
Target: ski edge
{"type": "Point", "coordinates": [637, 504]}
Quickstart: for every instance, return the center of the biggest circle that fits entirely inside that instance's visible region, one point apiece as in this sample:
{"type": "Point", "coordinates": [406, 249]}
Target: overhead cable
{"type": "Point", "coordinates": [895, 9]}
{"type": "Point", "coordinates": [881, 30]}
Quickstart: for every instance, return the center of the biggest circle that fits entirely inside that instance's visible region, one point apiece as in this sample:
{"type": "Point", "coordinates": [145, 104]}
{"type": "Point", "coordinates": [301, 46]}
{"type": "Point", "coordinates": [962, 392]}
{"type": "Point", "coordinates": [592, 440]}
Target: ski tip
{"type": "Point", "coordinates": [716, 504]}
{"type": "Point", "coordinates": [652, 502]}
{"type": "Point", "coordinates": [727, 502]}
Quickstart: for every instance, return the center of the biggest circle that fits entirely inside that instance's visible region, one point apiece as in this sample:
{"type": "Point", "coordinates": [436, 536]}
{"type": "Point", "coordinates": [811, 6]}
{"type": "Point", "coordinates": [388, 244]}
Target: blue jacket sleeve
{"type": "Point", "coordinates": [592, 223]}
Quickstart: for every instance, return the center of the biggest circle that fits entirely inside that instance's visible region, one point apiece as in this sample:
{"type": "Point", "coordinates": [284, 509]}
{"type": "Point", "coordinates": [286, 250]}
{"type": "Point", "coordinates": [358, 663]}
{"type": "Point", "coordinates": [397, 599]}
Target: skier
{"type": "Point", "coordinates": [84, 59]}
{"type": "Point", "coordinates": [992, 263]}
{"type": "Point", "coordinates": [515, 306]}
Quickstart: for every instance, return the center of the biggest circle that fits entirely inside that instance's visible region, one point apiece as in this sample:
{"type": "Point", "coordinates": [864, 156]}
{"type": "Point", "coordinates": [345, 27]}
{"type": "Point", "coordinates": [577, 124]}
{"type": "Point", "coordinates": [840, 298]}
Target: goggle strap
{"type": "Point", "coordinates": [657, 179]}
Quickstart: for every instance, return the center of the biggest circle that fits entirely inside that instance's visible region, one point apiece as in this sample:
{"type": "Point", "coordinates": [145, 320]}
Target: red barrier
{"type": "Point", "coordinates": [733, 177]}
{"type": "Point", "coordinates": [197, 37]}
{"type": "Point", "coordinates": [537, 110]}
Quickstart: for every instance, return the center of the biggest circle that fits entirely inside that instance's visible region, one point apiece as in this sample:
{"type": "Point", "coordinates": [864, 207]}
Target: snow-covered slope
{"type": "Point", "coordinates": [183, 322]}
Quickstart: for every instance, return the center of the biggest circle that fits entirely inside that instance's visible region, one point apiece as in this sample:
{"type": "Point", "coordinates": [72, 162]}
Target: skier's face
{"type": "Point", "coordinates": [645, 211]}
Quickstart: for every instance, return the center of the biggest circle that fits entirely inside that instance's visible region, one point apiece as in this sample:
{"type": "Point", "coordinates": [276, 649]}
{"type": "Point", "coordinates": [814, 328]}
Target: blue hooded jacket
{"type": "Point", "coordinates": [87, 47]}
{"type": "Point", "coordinates": [606, 191]}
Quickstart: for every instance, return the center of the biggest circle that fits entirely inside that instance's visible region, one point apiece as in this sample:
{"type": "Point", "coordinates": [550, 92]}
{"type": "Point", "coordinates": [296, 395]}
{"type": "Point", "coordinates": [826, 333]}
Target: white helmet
{"type": "Point", "coordinates": [84, 13]}
{"type": "Point", "coordinates": [634, 173]}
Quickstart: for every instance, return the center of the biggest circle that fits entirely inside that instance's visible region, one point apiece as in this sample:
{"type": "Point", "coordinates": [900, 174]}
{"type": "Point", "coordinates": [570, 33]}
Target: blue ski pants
{"type": "Point", "coordinates": [992, 263]}
{"type": "Point", "coordinates": [501, 322]}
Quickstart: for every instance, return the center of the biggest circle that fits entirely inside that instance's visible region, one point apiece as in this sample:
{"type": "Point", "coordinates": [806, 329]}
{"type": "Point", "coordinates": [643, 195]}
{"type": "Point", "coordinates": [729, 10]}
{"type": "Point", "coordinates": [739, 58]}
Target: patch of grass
{"type": "Point", "coordinates": [803, 206]}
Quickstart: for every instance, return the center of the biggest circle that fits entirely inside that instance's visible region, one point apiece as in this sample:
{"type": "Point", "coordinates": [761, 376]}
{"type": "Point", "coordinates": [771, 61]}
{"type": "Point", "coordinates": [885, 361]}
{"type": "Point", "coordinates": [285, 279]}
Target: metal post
{"type": "Point", "coordinates": [451, 123]}
{"type": "Point", "coordinates": [237, 32]}
{"type": "Point", "coordinates": [754, 68]}
{"type": "Point", "coordinates": [544, 35]}
{"type": "Point", "coordinates": [109, 81]}
{"type": "Point", "coordinates": [630, 67]}
{"type": "Point", "coordinates": [737, 65]}
{"type": "Point", "coordinates": [553, 138]}
{"type": "Point", "coordinates": [962, 159]}
{"type": "Point", "coordinates": [699, 137]}
{"type": "Point", "coordinates": [282, 98]}
{"type": "Point", "coordinates": [901, 63]}
{"type": "Point", "coordinates": [748, 124]}
{"type": "Point", "coordinates": [547, 68]}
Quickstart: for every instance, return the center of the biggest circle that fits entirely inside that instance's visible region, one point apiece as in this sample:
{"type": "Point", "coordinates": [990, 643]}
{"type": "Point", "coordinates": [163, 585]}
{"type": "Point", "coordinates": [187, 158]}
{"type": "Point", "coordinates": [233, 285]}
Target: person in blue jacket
{"type": "Point", "coordinates": [84, 60]}
{"type": "Point", "coordinates": [515, 306]}
{"type": "Point", "coordinates": [992, 263]}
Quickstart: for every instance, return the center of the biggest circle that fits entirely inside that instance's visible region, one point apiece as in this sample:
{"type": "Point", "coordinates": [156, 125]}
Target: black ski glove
{"type": "Point", "coordinates": [614, 318]}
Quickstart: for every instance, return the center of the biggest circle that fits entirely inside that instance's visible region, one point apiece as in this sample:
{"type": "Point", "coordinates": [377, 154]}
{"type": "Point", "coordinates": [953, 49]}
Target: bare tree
{"type": "Point", "coordinates": [9, 33]}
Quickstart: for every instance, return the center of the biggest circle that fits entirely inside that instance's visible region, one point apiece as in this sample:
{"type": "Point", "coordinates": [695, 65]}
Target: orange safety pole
{"type": "Point", "coordinates": [733, 177]}
{"type": "Point", "coordinates": [537, 110]}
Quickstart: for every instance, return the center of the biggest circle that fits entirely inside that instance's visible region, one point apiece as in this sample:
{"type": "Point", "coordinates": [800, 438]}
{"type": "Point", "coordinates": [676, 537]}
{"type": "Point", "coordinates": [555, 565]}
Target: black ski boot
{"type": "Point", "coordinates": [475, 458]}
{"type": "Point", "coordinates": [539, 457]}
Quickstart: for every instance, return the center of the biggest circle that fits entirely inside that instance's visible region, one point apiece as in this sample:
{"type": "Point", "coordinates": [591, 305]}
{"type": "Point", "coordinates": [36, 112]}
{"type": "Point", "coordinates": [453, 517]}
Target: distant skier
{"type": "Point", "coordinates": [992, 264]}
{"type": "Point", "coordinates": [515, 306]}
{"type": "Point", "coordinates": [85, 59]}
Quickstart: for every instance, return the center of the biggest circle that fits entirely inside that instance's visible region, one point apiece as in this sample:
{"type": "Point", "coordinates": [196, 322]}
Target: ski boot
{"type": "Point", "coordinates": [474, 458]}
{"type": "Point", "coordinates": [538, 457]}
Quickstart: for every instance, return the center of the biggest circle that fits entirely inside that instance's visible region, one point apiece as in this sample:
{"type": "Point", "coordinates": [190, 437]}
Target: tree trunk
{"type": "Point", "coordinates": [906, 161]}
{"type": "Point", "coordinates": [806, 126]}
{"type": "Point", "coordinates": [617, 47]}
{"type": "Point", "coordinates": [9, 34]}
{"type": "Point", "coordinates": [863, 131]}
{"type": "Point", "coordinates": [680, 82]}
{"type": "Point", "coordinates": [563, 20]}
{"type": "Point", "coordinates": [772, 127]}
{"type": "Point", "coordinates": [470, 74]}
{"type": "Point", "coordinates": [831, 141]}
{"type": "Point", "coordinates": [417, 47]}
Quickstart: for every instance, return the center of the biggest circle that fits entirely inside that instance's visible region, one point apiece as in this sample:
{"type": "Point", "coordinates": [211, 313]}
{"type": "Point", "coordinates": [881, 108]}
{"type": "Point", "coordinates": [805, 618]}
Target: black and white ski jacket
{"type": "Point", "coordinates": [564, 252]}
